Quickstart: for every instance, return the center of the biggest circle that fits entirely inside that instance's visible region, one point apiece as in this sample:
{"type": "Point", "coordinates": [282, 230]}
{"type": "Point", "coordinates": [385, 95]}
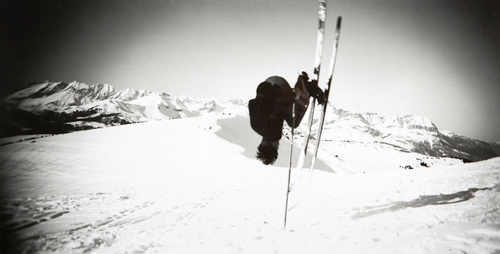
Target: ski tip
{"type": "Point", "coordinates": [339, 22]}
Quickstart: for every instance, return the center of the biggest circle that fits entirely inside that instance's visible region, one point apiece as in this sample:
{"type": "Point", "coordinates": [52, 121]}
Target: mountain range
{"type": "Point", "coordinates": [59, 107]}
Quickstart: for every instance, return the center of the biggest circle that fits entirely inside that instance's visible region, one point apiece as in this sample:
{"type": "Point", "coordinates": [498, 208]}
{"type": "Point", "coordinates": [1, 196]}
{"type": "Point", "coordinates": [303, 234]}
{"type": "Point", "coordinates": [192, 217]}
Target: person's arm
{"type": "Point", "coordinates": [301, 101]}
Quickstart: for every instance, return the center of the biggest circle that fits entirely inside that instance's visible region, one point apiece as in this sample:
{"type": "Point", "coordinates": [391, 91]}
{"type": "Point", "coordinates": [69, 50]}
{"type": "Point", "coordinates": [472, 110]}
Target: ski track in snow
{"type": "Point", "coordinates": [192, 186]}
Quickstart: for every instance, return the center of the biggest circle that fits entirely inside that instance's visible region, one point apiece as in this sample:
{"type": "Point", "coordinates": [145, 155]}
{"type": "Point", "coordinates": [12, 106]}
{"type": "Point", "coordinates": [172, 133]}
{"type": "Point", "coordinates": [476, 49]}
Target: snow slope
{"type": "Point", "coordinates": [192, 186]}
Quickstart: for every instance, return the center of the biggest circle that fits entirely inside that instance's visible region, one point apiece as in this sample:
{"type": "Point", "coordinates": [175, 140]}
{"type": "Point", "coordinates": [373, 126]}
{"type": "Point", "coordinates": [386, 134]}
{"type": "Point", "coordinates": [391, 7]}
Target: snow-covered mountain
{"type": "Point", "coordinates": [407, 133]}
{"type": "Point", "coordinates": [62, 107]}
{"type": "Point", "coordinates": [64, 97]}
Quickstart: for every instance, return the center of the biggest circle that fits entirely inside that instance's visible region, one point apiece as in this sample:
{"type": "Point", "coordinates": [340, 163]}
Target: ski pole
{"type": "Point", "coordinates": [290, 164]}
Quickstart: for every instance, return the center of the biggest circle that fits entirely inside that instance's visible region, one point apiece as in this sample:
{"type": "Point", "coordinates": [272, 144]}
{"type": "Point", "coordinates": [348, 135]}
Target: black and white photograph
{"type": "Point", "coordinates": [250, 126]}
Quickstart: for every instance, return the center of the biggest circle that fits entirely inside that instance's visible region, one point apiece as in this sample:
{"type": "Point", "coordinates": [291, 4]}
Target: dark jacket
{"type": "Point", "coordinates": [273, 105]}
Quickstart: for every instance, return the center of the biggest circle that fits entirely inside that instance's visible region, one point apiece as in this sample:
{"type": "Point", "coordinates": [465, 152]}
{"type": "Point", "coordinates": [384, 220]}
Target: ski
{"type": "Point", "coordinates": [327, 91]}
{"type": "Point", "coordinates": [316, 72]}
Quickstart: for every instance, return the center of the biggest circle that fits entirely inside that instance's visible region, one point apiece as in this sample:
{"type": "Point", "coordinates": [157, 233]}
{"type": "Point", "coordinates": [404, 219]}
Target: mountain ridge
{"type": "Point", "coordinates": [64, 107]}
{"type": "Point", "coordinates": [409, 132]}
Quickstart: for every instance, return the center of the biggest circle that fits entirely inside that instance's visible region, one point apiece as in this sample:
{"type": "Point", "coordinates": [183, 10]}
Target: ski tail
{"type": "Point", "coordinates": [320, 38]}
{"type": "Point", "coordinates": [327, 91]}
{"type": "Point", "coordinates": [316, 71]}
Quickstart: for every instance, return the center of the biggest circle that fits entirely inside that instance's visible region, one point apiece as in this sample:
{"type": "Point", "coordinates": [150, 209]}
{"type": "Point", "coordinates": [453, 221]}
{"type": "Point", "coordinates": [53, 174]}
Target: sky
{"type": "Point", "coordinates": [436, 58]}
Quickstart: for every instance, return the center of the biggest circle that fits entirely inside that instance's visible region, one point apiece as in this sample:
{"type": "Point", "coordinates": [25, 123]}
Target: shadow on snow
{"type": "Point", "coordinates": [237, 130]}
{"type": "Point", "coordinates": [440, 199]}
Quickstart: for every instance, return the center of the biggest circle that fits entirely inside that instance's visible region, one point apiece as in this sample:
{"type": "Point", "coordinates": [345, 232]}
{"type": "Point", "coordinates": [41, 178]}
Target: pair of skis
{"type": "Point", "coordinates": [316, 73]}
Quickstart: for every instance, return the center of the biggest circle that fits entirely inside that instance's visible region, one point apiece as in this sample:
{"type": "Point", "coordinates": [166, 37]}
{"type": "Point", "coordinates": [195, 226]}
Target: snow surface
{"type": "Point", "coordinates": [193, 186]}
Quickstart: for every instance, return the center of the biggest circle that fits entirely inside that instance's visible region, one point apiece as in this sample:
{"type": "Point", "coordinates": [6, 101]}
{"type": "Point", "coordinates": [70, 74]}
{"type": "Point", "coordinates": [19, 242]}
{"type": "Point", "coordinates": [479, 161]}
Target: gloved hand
{"type": "Point", "coordinates": [313, 89]}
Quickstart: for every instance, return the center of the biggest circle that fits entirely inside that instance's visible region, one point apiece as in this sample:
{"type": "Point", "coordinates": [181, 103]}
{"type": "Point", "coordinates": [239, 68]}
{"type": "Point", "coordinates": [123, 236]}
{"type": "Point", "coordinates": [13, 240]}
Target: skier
{"type": "Point", "coordinates": [273, 105]}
